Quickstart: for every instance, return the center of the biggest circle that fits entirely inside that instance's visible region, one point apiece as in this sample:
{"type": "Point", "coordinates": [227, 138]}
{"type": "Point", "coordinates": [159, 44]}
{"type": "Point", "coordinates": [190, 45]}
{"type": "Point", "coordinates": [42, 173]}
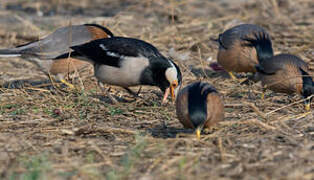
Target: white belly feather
{"type": "Point", "coordinates": [128, 74]}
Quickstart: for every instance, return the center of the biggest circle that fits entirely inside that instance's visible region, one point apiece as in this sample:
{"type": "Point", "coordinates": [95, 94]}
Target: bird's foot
{"type": "Point", "coordinates": [135, 95]}
{"type": "Point", "coordinates": [71, 86]}
{"type": "Point", "coordinates": [232, 76]}
{"type": "Point", "coordinates": [307, 107]}
{"type": "Point", "coordinates": [198, 132]}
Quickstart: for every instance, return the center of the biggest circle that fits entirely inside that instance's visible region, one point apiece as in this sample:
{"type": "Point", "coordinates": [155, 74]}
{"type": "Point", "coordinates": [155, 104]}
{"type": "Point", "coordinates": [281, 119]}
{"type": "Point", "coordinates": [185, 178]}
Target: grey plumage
{"type": "Point", "coordinates": [53, 45]}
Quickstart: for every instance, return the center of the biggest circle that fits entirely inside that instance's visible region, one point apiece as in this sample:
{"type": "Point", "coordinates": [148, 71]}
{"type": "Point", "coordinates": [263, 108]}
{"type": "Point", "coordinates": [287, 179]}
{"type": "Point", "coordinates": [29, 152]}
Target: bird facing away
{"type": "Point", "coordinates": [127, 62]}
{"type": "Point", "coordinates": [234, 55]}
{"type": "Point", "coordinates": [57, 46]}
{"type": "Point", "coordinates": [284, 73]}
{"type": "Point", "coordinates": [199, 106]}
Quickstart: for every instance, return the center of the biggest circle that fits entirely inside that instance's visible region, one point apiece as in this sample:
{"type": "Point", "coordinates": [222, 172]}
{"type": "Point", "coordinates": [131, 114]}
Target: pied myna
{"type": "Point", "coordinates": [234, 55]}
{"type": "Point", "coordinates": [199, 106]}
{"type": "Point", "coordinates": [284, 73]}
{"type": "Point", "coordinates": [127, 62]}
{"type": "Point", "coordinates": [51, 54]}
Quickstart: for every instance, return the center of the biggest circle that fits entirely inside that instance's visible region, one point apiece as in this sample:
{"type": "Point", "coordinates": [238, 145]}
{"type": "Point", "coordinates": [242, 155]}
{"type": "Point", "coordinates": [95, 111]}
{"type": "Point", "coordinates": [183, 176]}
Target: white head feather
{"type": "Point", "coordinates": [172, 76]}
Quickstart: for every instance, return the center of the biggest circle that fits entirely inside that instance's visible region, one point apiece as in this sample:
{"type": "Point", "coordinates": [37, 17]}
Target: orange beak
{"type": "Point", "coordinates": [164, 99]}
{"type": "Point", "coordinates": [173, 97]}
{"type": "Point", "coordinates": [171, 91]}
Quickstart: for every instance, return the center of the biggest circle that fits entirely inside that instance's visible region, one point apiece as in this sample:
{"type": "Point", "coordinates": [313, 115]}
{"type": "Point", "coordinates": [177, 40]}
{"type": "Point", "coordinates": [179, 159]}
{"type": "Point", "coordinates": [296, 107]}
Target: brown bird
{"type": "Point", "coordinates": [57, 45]}
{"type": "Point", "coordinates": [199, 106]}
{"type": "Point", "coordinates": [284, 73]}
{"type": "Point", "coordinates": [234, 55]}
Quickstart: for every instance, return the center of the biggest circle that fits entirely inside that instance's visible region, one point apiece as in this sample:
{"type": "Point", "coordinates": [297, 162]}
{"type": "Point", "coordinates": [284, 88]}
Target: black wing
{"type": "Point", "coordinates": [227, 38]}
{"type": "Point", "coordinates": [111, 51]}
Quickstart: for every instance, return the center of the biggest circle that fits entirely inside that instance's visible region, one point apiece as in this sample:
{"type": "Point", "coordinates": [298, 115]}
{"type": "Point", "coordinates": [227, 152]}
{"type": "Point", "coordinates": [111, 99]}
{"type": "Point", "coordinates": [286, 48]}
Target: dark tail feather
{"type": "Point", "coordinates": [9, 53]}
{"type": "Point", "coordinates": [262, 44]}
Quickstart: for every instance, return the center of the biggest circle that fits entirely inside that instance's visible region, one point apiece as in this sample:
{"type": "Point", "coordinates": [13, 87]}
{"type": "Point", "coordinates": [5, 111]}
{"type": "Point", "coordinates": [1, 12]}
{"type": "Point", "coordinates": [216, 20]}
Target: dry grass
{"type": "Point", "coordinates": [55, 133]}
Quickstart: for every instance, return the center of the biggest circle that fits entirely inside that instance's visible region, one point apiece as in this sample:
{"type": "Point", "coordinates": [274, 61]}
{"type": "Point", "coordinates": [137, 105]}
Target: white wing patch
{"type": "Point", "coordinates": [112, 54]}
{"type": "Point", "coordinates": [103, 47]}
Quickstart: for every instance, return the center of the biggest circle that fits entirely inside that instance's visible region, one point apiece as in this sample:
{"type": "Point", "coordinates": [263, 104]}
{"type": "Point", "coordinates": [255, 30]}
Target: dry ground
{"type": "Point", "coordinates": [56, 133]}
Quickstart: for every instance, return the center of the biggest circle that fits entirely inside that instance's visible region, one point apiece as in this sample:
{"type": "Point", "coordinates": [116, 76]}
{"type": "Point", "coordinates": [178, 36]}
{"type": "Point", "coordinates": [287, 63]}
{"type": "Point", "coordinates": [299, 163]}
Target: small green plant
{"type": "Point", "coordinates": [13, 109]}
{"type": "Point", "coordinates": [9, 106]}
{"type": "Point", "coordinates": [182, 164]}
{"type": "Point", "coordinates": [35, 110]}
{"type": "Point", "coordinates": [17, 112]}
{"type": "Point", "coordinates": [114, 111]}
{"type": "Point", "coordinates": [129, 160]}
{"type": "Point", "coordinates": [36, 168]}
{"type": "Point", "coordinates": [112, 175]}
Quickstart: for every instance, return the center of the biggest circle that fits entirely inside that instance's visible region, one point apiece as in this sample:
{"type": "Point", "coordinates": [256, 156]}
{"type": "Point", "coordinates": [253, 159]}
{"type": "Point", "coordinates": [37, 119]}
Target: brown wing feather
{"type": "Point", "coordinates": [238, 58]}
{"type": "Point", "coordinates": [215, 110]}
{"type": "Point", "coordinates": [286, 80]}
{"type": "Point", "coordinates": [97, 33]}
{"type": "Point", "coordinates": [287, 77]}
{"type": "Point", "coordinates": [182, 109]}
{"type": "Point", "coordinates": [234, 54]}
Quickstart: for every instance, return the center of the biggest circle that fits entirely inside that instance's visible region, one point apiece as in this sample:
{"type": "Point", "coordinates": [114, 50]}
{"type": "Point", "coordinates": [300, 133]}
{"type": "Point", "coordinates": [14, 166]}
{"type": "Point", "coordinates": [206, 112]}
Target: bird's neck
{"type": "Point", "coordinates": [264, 53]}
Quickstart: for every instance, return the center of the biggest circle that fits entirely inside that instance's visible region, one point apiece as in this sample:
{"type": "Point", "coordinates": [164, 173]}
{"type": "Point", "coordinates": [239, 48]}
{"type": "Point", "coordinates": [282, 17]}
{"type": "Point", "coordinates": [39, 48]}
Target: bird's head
{"type": "Point", "coordinates": [307, 88]}
{"type": "Point", "coordinates": [174, 80]}
{"type": "Point", "coordinates": [308, 91]}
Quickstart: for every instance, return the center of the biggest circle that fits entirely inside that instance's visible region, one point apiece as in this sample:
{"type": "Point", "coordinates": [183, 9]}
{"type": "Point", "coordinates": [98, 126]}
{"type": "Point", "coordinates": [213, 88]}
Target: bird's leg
{"type": "Point", "coordinates": [232, 75]}
{"type": "Point", "coordinates": [106, 92]}
{"type": "Point", "coordinates": [307, 104]}
{"type": "Point", "coordinates": [250, 92]}
{"type": "Point", "coordinates": [198, 131]}
{"type": "Point", "coordinates": [61, 79]}
{"type": "Point", "coordinates": [51, 80]}
{"type": "Point", "coordinates": [307, 107]}
{"type": "Point", "coordinates": [71, 86]}
{"type": "Point", "coordinates": [139, 90]}
{"type": "Point", "coordinates": [135, 95]}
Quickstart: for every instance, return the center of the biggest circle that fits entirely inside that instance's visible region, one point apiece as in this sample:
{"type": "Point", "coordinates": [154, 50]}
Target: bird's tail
{"type": "Point", "coordinates": [263, 45]}
{"type": "Point", "coordinates": [9, 53]}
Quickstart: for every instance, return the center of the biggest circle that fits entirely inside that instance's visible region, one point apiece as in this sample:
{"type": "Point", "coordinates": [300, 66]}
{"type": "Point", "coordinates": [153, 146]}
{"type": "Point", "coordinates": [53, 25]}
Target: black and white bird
{"type": "Point", "coordinates": [127, 62]}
